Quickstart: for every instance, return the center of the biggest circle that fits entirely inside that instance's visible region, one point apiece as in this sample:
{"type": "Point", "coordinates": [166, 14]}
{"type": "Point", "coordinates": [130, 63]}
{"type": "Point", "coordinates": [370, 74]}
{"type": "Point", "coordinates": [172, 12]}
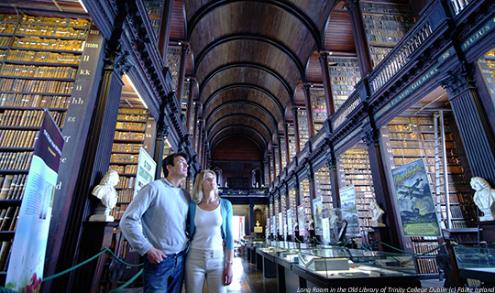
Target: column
{"type": "Point", "coordinates": [359, 35]}
{"type": "Point", "coordinates": [182, 71]}
{"type": "Point", "coordinates": [251, 218]}
{"type": "Point", "coordinates": [190, 98]}
{"type": "Point", "coordinates": [287, 152]}
{"type": "Point", "coordinates": [326, 83]}
{"type": "Point", "coordinates": [296, 129]}
{"type": "Point", "coordinates": [383, 195]}
{"type": "Point", "coordinates": [163, 38]}
{"type": "Point", "coordinates": [334, 176]}
{"type": "Point", "coordinates": [309, 108]}
{"type": "Point", "coordinates": [196, 124]}
{"type": "Point", "coordinates": [95, 164]}
{"type": "Point", "coordinates": [162, 131]}
{"type": "Point", "coordinates": [473, 125]}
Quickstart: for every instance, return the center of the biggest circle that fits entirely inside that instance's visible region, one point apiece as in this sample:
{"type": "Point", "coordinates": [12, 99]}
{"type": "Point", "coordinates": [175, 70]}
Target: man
{"type": "Point", "coordinates": [155, 225]}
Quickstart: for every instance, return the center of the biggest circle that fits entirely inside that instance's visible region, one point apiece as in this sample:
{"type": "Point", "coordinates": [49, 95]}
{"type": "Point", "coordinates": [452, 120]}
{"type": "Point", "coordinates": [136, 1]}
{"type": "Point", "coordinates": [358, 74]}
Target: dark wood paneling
{"type": "Point", "coordinates": [338, 32]}
{"type": "Point", "coordinates": [177, 23]}
{"type": "Point", "coordinates": [236, 148]}
{"type": "Point", "coordinates": [248, 51]}
{"type": "Point", "coordinates": [313, 68]}
{"type": "Point", "coordinates": [244, 93]}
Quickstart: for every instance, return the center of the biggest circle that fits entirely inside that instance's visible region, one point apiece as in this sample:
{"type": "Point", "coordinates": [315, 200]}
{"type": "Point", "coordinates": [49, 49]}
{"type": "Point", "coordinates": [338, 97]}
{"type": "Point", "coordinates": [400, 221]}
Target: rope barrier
{"type": "Point", "coordinates": [104, 250]}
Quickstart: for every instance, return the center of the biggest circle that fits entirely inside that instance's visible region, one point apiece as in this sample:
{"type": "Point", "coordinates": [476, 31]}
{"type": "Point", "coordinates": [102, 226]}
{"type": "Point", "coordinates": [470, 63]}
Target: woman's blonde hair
{"type": "Point", "coordinates": [197, 193]}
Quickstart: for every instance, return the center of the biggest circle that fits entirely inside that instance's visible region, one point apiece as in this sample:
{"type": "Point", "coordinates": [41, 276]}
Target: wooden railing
{"type": "Point", "coordinates": [349, 105]}
{"type": "Point", "coordinates": [459, 5]}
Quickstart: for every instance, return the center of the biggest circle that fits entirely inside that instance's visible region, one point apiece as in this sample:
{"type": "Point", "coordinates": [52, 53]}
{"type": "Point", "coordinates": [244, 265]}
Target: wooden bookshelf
{"type": "Point", "coordinates": [292, 140]}
{"type": "Point", "coordinates": [39, 61]}
{"type": "Point", "coordinates": [173, 63]}
{"type": "Point", "coordinates": [319, 106]}
{"type": "Point", "coordinates": [305, 200]}
{"type": "Point", "coordinates": [354, 169]}
{"type": "Point", "coordinates": [302, 119]}
{"type": "Point", "coordinates": [409, 138]}
{"type": "Point", "coordinates": [323, 186]}
{"type": "Point", "coordinates": [344, 75]}
{"type": "Point", "coordinates": [385, 23]}
{"type": "Point", "coordinates": [293, 206]}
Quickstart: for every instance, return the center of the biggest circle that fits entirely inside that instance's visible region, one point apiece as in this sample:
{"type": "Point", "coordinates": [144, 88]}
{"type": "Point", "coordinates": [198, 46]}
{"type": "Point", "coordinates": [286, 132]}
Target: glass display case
{"type": "Point", "coordinates": [476, 263]}
{"type": "Point", "coordinates": [338, 262]}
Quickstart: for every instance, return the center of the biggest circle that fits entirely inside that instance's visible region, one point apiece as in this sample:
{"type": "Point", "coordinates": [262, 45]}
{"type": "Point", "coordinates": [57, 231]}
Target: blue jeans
{"type": "Point", "coordinates": [164, 277]}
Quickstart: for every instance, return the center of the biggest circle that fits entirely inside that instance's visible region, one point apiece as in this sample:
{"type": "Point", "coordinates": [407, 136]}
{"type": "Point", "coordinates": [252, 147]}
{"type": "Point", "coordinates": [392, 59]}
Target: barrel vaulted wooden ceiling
{"type": "Point", "coordinates": [251, 58]}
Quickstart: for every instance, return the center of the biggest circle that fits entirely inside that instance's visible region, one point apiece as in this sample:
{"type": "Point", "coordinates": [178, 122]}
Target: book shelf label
{"type": "Point", "coordinates": [146, 170]}
{"type": "Point", "coordinates": [415, 201]}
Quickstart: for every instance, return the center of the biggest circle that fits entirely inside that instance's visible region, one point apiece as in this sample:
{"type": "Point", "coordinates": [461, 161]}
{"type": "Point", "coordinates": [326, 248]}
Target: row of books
{"type": "Point", "coordinates": [118, 211]}
{"type": "Point", "coordinates": [305, 198]}
{"type": "Point", "coordinates": [36, 86]}
{"type": "Point", "coordinates": [41, 101]}
{"type": "Point", "coordinates": [125, 195]}
{"type": "Point", "coordinates": [130, 136]}
{"type": "Point", "coordinates": [18, 56]}
{"type": "Point", "coordinates": [130, 126]}
{"type": "Point", "coordinates": [427, 266]}
{"type": "Point", "coordinates": [124, 169]}
{"type": "Point", "coordinates": [41, 31]}
{"type": "Point", "coordinates": [12, 186]}
{"type": "Point", "coordinates": [47, 44]}
{"type": "Point", "coordinates": [132, 118]}
{"type": "Point", "coordinates": [45, 20]}
{"type": "Point", "coordinates": [31, 118]}
{"type": "Point", "coordinates": [4, 254]}
{"type": "Point", "coordinates": [17, 139]}
{"type": "Point", "coordinates": [124, 158]}
{"type": "Point", "coordinates": [38, 71]}
{"type": "Point", "coordinates": [15, 160]}
{"type": "Point", "coordinates": [354, 169]}
{"type": "Point", "coordinates": [344, 74]}
{"type": "Point", "coordinates": [8, 218]}
{"type": "Point", "coordinates": [292, 139]}
{"type": "Point", "coordinates": [424, 247]}
{"type": "Point", "coordinates": [385, 24]}
{"type": "Point", "coordinates": [126, 182]}
{"type": "Point", "coordinates": [302, 119]}
{"type": "Point", "coordinates": [125, 148]}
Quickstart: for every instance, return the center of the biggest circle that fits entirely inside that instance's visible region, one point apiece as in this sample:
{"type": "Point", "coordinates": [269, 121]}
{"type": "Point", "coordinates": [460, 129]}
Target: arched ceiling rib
{"type": "Point", "coordinates": [240, 92]}
{"type": "Point", "coordinates": [248, 51]}
{"type": "Point", "coordinates": [243, 107]}
{"type": "Point", "coordinates": [249, 58]}
{"type": "Point", "coordinates": [251, 78]}
{"type": "Point", "coordinates": [240, 119]}
{"type": "Point", "coordinates": [236, 130]}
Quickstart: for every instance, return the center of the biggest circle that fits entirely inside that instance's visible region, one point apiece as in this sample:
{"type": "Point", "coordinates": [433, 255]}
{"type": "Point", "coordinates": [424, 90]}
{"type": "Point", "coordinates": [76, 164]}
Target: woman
{"type": "Point", "coordinates": [211, 249]}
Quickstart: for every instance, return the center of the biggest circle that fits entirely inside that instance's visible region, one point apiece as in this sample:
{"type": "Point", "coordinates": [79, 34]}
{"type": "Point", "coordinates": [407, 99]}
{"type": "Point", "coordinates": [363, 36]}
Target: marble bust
{"type": "Point", "coordinates": [376, 214]}
{"type": "Point", "coordinates": [484, 197]}
{"type": "Point", "coordinates": [106, 193]}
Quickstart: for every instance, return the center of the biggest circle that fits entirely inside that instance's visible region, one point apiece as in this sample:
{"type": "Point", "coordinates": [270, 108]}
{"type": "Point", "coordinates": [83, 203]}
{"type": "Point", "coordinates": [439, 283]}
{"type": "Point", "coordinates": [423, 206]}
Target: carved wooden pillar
{"type": "Point", "coordinates": [296, 129]}
{"type": "Point", "coordinates": [383, 194]}
{"type": "Point", "coordinates": [287, 148]}
{"type": "Point", "coordinates": [309, 109]}
{"type": "Point", "coordinates": [97, 159]}
{"type": "Point", "coordinates": [474, 129]}
{"type": "Point", "coordinates": [182, 71]}
{"type": "Point", "coordinates": [359, 35]}
{"type": "Point", "coordinates": [334, 177]}
{"type": "Point", "coordinates": [161, 133]}
{"type": "Point", "coordinates": [326, 83]}
{"type": "Point", "coordinates": [165, 27]}
{"type": "Point", "coordinates": [195, 128]}
{"type": "Point", "coordinates": [190, 98]}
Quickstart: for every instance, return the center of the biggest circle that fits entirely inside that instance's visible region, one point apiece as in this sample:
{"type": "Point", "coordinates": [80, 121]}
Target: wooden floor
{"type": "Point", "coordinates": [248, 280]}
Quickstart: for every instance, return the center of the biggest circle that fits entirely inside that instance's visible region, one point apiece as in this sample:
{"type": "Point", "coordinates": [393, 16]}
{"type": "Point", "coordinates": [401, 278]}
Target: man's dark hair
{"type": "Point", "coordinates": [169, 160]}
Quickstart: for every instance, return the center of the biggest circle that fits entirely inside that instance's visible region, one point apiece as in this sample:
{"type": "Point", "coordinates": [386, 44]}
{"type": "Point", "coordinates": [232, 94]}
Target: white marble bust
{"type": "Point", "coordinates": [484, 197]}
{"type": "Point", "coordinates": [376, 214]}
{"type": "Point", "coordinates": [106, 193]}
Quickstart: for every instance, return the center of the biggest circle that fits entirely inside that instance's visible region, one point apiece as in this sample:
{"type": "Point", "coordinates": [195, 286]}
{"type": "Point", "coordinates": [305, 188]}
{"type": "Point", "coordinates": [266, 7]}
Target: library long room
{"type": "Point", "coordinates": [247, 146]}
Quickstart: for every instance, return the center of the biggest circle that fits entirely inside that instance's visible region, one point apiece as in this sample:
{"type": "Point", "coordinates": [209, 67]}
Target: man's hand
{"type": "Point", "coordinates": [227, 274]}
{"type": "Point", "coordinates": [155, 256]}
